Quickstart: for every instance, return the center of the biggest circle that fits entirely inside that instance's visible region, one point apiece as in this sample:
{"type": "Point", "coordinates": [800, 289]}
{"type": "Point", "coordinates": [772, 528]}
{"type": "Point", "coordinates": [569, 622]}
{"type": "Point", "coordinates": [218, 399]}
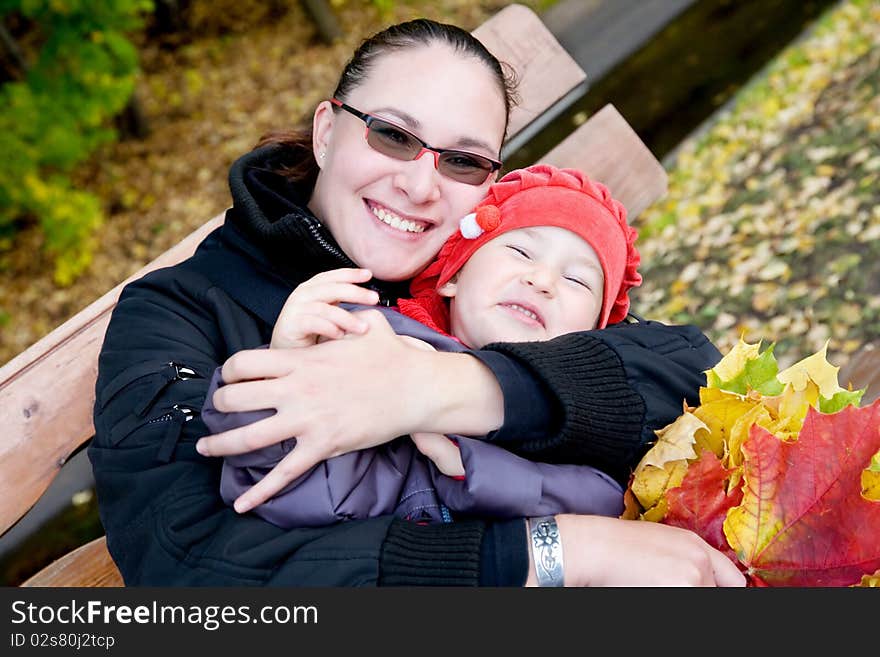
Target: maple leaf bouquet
{"type": "Point", "coordinates": [780, 470]}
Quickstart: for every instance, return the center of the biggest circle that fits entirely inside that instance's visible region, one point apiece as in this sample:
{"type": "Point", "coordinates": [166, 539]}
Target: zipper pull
{"type": "Point", "coordinates": [170, 373]}
{"type": "Point", "coordinates": [180, 415]}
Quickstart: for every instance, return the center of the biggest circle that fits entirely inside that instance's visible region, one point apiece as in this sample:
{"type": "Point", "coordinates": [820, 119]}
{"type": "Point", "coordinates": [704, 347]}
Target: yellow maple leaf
{"type": "Point", "coordinates": [734, 361]}
{"type": "Point", "coordinates": [870, 581]}
{"type": "Point", "coordinates": [650, 484]}
{"type": "Point", "coordinates": [720, 410]}
{"type": "Point", "coordinates": [871, 479]}
{"type": "Point", "coordinates": [814, 368]}
{"type": "Point", "coordinates": [675, 442]}
{"type": "Point", "coordinates": [664, 465]}
{"type": "Point", "coordinates": [758, 414]}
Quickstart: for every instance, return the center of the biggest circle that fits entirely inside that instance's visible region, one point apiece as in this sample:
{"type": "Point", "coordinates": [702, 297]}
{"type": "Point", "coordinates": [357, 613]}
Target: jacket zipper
{"type": "Point", "coordinates": [185, 411]}
{"type": "Point", "coordinates": [315, 231]}
{"type": "Point", "coordinates": [174, 372]}
{"type": "Point", "coordinates": [177, 417]}
{"type": "Point", "coordinates": [329, 248]}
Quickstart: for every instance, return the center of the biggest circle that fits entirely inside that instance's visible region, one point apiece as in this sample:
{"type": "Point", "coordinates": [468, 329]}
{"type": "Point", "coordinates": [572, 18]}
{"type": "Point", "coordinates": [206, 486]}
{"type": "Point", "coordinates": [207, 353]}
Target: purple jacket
{"type": "Point", "coordinates": [396, 478]}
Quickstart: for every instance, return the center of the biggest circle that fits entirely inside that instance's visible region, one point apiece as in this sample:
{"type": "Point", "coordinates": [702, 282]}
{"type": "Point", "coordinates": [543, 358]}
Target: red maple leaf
{"type": "Point", "coordinates": [700, 503]}
{"type": "Point", "coordinates": [803, 520]}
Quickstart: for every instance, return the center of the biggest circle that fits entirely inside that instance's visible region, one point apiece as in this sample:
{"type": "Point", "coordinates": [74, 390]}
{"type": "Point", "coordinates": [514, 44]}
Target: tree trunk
{"type": "Point", "coordinates": [324, 19]}
{"type": "Point", "coordinates": [132, 121]}
{"type": "Point", "coordinates": [18, 66]}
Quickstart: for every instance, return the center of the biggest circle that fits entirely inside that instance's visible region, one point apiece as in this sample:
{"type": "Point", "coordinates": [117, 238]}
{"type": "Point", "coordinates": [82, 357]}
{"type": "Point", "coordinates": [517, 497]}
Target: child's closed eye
{"type": "Point", "coordinates": [578, 281]}
{"type": "Point", "coordinates": [520, 251]}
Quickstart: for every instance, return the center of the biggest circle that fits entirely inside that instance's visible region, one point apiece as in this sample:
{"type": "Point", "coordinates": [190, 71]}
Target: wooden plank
{"type": "Point", "coordinates": [545, 71]}
{"type": "Point", "coordinates": [862, 370]}
{"type": "Point", "coordinates": [88, 565]}
{"type": "Point", "coordinates": [47, 393]}
{"type": "Point", "coordinates": [610, 151]}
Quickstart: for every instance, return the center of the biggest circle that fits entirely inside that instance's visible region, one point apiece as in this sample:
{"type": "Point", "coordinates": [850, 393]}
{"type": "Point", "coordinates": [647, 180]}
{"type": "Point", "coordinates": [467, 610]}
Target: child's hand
{"type": "Point", "coordinates": [442, 451]}
{"type": "Point", "coordinates": [310, 311]}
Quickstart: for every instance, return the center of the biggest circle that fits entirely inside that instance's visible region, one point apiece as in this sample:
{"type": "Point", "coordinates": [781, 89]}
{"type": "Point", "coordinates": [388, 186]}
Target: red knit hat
{"type": "Point", "coordinates": [539, 195]}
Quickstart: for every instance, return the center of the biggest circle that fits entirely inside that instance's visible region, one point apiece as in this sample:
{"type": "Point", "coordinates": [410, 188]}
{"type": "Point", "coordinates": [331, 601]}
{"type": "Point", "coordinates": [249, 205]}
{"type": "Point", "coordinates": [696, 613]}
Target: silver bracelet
{"type": "Point", "coordinates": [546, 550]}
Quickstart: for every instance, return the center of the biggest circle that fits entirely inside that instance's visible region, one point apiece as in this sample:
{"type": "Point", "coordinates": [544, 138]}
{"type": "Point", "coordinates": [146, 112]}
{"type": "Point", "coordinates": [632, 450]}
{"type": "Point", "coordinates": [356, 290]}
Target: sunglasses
{"type": "Point", "coordinates": [394, 141]}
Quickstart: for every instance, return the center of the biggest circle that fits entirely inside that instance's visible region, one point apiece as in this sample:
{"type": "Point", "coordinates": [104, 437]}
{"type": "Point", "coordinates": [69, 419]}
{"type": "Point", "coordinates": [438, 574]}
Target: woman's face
{"type": "Point", "coordinates": [391, 216]}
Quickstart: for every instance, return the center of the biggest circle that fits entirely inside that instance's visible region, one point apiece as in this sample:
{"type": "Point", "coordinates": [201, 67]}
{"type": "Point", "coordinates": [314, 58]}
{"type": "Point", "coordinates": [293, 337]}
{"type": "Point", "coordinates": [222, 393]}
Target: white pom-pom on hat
{"type": "Point", "coordinates": [470, 229]}
{"type": "Point", "coordinates": [486, 218]}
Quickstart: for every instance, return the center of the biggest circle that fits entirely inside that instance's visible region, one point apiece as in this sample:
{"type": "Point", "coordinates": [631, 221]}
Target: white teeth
{"type": "Point", "coordinates": [524, 311]}
{"type": "Point", "coordinates": [396, 222]}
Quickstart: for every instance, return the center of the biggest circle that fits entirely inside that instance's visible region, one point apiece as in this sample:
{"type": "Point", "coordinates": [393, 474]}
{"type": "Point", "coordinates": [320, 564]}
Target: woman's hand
{"type": "Point", "coordinates": [339, 396]}
{"type": "Point", "coordinates": [311, 311]}
{"type": "Point", "coordinates": [601, 551]}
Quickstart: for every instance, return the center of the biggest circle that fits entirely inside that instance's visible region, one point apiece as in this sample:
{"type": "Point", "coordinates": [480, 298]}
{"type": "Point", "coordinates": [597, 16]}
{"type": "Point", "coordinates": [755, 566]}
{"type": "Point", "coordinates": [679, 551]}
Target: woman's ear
{"type": "Point", "coordinates": [322, 129]}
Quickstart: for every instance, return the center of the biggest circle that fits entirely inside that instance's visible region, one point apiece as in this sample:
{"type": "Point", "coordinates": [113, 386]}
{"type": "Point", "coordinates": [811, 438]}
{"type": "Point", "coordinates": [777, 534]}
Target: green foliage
{"type": "Point", "coordinates": [58, 115]}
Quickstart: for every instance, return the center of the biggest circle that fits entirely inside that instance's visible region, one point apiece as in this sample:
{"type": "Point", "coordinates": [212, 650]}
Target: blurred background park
{"type": "Point", "coordinates": [119, 120]}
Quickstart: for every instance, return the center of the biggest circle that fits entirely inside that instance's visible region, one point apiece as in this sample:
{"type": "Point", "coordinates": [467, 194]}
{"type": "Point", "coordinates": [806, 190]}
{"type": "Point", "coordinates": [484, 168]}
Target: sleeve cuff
{"type": "Point", "coordinates": [504, 557]}
{"type": "Point", "coordinates": [528, 407]}
{"type": "Point", "coordinates": [432, 555]}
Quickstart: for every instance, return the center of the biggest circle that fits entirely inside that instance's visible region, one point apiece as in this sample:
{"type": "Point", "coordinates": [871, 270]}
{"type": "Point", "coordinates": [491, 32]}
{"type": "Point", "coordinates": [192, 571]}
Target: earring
{"type": "Point", "coordinates": [322, 155]}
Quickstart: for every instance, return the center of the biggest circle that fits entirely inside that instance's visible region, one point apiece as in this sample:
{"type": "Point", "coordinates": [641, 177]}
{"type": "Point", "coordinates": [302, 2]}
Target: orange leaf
{"type": "Point", "coordinates": [803, 520]}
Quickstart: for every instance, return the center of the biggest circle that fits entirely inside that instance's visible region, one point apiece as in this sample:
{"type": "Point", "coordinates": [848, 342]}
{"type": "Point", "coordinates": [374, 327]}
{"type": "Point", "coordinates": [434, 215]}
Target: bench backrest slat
{"type": "Point", "coordinates": [47, 392]}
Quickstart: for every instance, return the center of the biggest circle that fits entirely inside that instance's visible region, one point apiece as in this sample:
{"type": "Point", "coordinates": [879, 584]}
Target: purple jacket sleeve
{"type": "Point", "coordinates": [361, 484]}
{"type": "Point", "coordinates": [500, 484]}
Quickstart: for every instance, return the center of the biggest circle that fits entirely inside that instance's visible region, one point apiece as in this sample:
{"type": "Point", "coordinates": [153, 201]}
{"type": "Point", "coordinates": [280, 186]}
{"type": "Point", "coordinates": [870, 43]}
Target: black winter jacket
{"type": "Point", "coordinates": [590, 398]}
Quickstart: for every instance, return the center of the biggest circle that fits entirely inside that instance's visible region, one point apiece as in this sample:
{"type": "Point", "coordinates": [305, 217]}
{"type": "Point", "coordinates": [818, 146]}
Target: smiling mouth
{"type": "Point", "coordinates": [394, 220]}
{"type": "Point", "coordinates": [527, 313]}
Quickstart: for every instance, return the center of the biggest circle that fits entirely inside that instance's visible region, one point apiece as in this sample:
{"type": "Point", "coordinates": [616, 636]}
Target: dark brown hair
{"type": "Point", "coordinates": [411, 34]}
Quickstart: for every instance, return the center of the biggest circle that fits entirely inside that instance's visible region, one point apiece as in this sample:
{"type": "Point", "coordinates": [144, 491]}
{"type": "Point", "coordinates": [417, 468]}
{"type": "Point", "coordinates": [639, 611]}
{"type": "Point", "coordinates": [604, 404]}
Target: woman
{"type": "Point", "coordinates": [359, 192]}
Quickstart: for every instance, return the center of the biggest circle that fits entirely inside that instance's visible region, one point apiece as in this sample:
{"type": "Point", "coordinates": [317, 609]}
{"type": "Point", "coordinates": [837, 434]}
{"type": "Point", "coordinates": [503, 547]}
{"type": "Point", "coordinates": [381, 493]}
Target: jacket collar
{"type": "Point", "coordinates": [271, 222]}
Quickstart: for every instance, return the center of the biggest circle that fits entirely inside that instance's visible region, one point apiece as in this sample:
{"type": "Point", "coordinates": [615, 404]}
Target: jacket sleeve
{"type": "Point", "coordinates": [609, 389]}
{"type": "Point", "coordinates": [159, 499]}
{"type": "Point", "coordinates": [500, 484]}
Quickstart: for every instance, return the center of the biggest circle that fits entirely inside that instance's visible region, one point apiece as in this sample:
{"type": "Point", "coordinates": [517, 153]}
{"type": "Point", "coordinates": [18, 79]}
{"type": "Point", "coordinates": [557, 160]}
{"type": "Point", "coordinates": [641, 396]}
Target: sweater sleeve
{"type": "Point", "coordinates": [613, 388]}
{"type": "Point", "coordinates": [159, 499]}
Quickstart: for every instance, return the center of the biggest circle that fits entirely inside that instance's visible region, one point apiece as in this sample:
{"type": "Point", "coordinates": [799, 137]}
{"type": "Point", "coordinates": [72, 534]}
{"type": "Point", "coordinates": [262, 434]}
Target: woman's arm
{"type": "Point", "coordinates": [159, 499]}
{"type": "Point", "coordinates": [609, 390]}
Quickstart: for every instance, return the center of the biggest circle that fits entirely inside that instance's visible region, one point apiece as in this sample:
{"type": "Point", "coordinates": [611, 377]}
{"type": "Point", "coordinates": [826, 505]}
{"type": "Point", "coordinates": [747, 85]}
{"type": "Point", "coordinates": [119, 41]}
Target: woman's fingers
{"type": "Point", "coordinates": [601, 551]}
{"type": "Point", "coordinates": [248, 438]}
{"type": "Point", "coordinates": [726, 572]}
{"type": "Point", "coordinates": [257, 364]}
{"type": "Point", "coordinates": [303, 457]}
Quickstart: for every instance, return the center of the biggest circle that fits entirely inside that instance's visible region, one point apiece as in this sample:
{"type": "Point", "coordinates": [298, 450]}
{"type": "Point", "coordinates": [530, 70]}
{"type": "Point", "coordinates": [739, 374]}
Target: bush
{"type": "Point", "coordinates": [55, 117]}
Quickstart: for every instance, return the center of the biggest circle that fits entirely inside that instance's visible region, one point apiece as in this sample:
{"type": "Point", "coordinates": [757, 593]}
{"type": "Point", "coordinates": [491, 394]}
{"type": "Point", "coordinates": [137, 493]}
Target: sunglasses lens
{"type": "Point", "coordinates": [395, 142]}
{"type": "Point", "coordinates": [390, 140]}
{"type": "Point", "coordinates": [465, 167]}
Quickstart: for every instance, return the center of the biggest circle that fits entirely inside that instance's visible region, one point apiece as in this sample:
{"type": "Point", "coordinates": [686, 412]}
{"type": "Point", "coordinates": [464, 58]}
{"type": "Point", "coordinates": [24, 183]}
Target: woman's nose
{"type": "Point", "coordinates": [419, 179]}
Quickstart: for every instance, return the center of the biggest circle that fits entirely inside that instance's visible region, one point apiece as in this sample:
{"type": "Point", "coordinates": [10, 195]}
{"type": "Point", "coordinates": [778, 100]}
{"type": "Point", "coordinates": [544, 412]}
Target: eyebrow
{"type": "Point", "coordinates": [413, 123]}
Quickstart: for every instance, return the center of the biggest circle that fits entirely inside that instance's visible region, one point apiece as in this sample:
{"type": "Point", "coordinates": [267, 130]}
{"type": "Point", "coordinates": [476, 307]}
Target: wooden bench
{"type": "Point", "coordinates": [47, 392]}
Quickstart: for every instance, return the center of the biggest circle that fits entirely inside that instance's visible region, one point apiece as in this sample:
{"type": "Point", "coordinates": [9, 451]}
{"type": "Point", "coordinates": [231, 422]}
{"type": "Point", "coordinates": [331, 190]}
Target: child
{"type": "Point", "coordinates": [546, 253]}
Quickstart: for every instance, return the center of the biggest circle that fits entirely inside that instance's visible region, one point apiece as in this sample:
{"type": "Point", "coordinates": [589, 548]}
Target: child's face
{"type": "Point", "coordinates": [525, 285]}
